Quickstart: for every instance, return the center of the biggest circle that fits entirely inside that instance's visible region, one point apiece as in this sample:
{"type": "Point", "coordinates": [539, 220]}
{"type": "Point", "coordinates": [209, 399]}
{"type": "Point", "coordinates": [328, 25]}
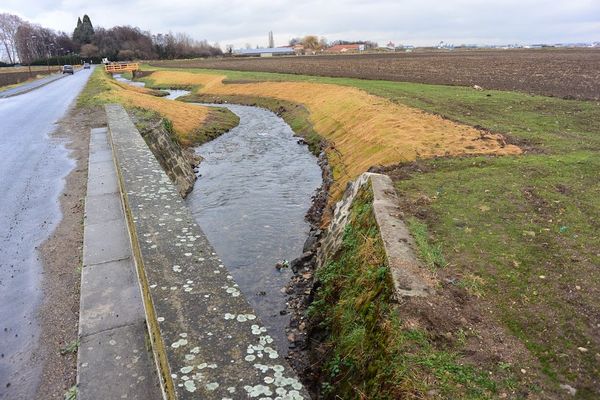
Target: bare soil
{"type": "Point", "coordinates": [565, 73]}
{"type": "Point", "coordinates": [62, 256]}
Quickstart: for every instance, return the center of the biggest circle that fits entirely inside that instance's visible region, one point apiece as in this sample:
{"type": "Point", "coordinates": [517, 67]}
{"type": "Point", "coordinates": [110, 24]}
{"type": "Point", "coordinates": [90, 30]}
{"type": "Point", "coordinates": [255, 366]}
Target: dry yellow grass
{"type": "Point", "coordinates": [186, 118]}
{"type": "Point", "coordinates": [364, 130]}
{"type": "Point", "coordinates": [34, 68]}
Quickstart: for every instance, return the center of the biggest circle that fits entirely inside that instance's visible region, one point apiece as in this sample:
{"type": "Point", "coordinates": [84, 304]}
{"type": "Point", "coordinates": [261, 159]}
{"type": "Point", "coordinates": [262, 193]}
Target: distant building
{"type": "Point", "coordinates": [299, 49]}
{"type": "Point", "coordinates": [345, 48]}
{"type": "Point", "coordinates": [391, 45]}
{"type": "Point", "coordinates": [271, 40]}
{"type": "Point", "coordinates": [264, 52]}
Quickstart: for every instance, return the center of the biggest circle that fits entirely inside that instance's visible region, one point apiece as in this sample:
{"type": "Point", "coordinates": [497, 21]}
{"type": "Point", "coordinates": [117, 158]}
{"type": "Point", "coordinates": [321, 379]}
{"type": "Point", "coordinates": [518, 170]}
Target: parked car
{"type": "Point", "coordinates": [86, 65]}
{"type": "Point", "coordinates": [68, 69]}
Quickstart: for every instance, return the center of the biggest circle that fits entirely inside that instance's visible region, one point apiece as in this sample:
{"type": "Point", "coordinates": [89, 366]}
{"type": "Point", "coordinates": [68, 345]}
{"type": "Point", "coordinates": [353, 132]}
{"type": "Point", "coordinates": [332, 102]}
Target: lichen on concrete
{"type": "Point", "coordinates": [202, 328]}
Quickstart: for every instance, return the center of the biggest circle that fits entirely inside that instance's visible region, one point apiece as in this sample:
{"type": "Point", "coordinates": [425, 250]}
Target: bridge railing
{"type": "Point", "coordinates": [121, 67]}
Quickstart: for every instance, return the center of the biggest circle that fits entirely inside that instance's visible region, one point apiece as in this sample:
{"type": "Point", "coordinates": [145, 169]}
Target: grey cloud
{"type": "Point", "coordinates": [422, 22]}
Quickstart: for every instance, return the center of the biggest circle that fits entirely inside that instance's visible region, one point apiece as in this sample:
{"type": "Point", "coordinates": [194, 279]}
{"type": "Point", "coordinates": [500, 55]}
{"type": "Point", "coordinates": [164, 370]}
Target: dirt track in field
{"type": "Point", "coordinates": [565, 73]}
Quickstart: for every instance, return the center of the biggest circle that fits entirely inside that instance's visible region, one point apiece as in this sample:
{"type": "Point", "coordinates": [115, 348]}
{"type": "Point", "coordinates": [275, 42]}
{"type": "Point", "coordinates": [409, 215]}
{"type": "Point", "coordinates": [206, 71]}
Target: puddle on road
{"type": "Point", "coordinates": [254, 188]}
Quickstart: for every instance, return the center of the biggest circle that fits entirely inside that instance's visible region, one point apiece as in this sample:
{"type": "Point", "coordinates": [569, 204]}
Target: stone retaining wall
{"type": "Point", "coordinates": [178, 165]}
{"type": "Point", "coordinates": [409, 276]}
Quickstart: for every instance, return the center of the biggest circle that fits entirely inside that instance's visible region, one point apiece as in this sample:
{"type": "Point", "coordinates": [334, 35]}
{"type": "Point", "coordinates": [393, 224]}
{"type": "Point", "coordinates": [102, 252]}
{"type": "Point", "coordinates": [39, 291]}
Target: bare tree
{"type": "Point", "coordinates": [89, 50]}
{"type": "Point", "coordinates": [9, 24]}
{"type": "Point", "coordinates": [312, 42]}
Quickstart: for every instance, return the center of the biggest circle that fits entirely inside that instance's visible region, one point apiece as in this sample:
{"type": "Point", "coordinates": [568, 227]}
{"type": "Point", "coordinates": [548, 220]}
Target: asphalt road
{"type": "Point", "coordinates": [33, 166]}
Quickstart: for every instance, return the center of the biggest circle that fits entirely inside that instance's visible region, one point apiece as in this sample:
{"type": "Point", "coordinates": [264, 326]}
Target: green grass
{"type": "Point", "coordinates": [96, 85]}
{"type": "Point", "coordinates": [71, 347]}
{"type": "Point", "coordinates": [430, 253]}
{"type": "Point", "coordinates": [521, 232]}
{"type": "Point", "coordinates": [71, 393]}
{"type": "Point", "coordinates": [369, 352]}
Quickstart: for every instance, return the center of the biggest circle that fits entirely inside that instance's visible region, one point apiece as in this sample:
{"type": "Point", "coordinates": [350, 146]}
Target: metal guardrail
{"type": "Point", "coordinates": [121, 67]}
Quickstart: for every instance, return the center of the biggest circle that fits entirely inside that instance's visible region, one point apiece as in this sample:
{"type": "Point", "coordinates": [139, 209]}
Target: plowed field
{"type": "Point", "coordinates": [565, 73]}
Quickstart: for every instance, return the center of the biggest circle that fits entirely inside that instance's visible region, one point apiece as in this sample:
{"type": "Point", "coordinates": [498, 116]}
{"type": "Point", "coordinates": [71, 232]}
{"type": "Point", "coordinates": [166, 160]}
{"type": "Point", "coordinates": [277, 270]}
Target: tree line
{"type": "Point", "coordinates": [27, 43]}
{"type": "Point", "coordinates": [313, 42]}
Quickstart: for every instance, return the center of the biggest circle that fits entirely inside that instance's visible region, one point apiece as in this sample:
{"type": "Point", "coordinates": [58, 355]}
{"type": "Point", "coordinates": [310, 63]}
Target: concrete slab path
{"type": "Point", "coordinates": [115, 360]}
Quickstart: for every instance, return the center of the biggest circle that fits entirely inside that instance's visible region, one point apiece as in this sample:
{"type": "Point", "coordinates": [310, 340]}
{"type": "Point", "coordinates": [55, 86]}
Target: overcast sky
{"type": "Point", "coordinates": [421, 22]}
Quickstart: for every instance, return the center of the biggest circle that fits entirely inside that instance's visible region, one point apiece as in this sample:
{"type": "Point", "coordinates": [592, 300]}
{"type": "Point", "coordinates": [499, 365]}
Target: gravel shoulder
{"type": "Point", "coordinates": [61, 256]}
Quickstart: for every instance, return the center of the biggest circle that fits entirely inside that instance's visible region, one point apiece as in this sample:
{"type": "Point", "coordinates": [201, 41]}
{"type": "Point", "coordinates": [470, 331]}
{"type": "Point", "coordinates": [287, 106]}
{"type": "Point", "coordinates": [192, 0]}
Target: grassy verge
{"type": "Point", "coordinates": [191, 125]}
{"type": "Point", "coordinates": [294, 114]}
{"type": "Point", "coordinates": [369, 352]}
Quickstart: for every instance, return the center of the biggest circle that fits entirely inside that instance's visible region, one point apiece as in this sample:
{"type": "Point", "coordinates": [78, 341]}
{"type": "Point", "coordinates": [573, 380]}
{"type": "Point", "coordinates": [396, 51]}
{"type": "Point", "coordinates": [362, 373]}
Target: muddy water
{"type": "Point", "coordinates": [254, 189]}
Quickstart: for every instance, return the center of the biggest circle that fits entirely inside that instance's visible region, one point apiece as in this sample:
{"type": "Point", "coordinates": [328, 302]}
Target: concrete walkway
{"type": "Point", "coordinates": [206, 338]}
{"type": "Point", "coordinates": [114, 357]}
{"type": "Point", "coordinates": [29, 86]}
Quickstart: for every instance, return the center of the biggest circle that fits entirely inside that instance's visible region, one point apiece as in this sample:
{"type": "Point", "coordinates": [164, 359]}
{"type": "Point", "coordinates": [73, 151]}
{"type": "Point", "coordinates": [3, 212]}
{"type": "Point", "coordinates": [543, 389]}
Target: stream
{"type": "Point", "coordinates": [254, 188]}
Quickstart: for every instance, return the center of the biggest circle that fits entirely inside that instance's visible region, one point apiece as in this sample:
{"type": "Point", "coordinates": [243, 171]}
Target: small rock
{"type": "Point", "coordinates": [572, 391]}
{"type": "Point", "coordinates": [307, 275]}
{"type": "Point", "coordinates": [582, 349]}
{"type": "Point", "coordinates": [477, 87]}
{"type": "Point", "coordinates": [523, 371]}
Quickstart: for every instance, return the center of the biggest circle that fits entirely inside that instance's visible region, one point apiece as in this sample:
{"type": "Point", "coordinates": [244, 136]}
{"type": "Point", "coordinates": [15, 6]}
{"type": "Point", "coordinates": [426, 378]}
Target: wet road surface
{"type": "Point", "coordinates": [254, 189]}
{"type": "Point", "coordinates": [33, 167]}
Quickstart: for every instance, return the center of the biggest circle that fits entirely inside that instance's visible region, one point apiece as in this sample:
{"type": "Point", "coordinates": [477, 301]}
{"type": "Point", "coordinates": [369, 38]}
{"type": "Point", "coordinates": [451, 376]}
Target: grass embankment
{"type": "Point", "coordinates": [514, 240]}
{"type": "Point", "coordinates": [362, 130]}
{"type": "Point", "coordinates": [191, 124]}
{"type": "Point", "coordinates": [369, 352]}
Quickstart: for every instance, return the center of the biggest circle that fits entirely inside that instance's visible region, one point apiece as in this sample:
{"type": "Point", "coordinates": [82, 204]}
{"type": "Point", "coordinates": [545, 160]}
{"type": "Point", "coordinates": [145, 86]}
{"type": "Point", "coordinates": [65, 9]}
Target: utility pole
{"type": "Point", "coordinates": [271, 41]}
{"type": "Point", "coordinates": [29, 56]}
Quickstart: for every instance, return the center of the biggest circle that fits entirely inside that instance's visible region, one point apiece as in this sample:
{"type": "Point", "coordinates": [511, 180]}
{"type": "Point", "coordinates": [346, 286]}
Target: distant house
{"type": "Point", "coordinates": [264, 52]}
{"type": "Point", "coordinates": [298, 49]}
{"type": "Point", "coordinates": [345, 48]}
